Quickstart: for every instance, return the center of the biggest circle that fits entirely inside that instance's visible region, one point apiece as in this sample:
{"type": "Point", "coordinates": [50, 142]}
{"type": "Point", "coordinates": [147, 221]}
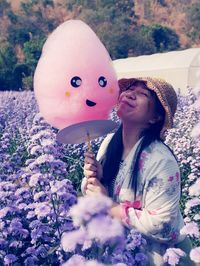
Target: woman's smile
{"type": "Point", "coordinates": [127, 101]}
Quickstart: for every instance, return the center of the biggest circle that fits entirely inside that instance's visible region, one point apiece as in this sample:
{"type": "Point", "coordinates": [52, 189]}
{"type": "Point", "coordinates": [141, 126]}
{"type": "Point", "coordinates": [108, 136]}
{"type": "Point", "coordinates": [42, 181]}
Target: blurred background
{"type": "Point", "coordinates": [126, 27]}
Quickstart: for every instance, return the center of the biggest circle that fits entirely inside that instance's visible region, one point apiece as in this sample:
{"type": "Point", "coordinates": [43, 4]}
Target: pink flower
{"type": "Point", "coordinates": [177, 176]}
{"type": "Point", "coordinates": [190, 229]}
{"type": "Point", "coordinates": [170, 178]}
{"type": "Point", "coordinates": [142, 160]}
{"type": "Point", "coordinates": [195, 254]}
{"type": "Point", "coordinates": [174, 235]}
{"type": "Point", "coordinates": [173, 255]}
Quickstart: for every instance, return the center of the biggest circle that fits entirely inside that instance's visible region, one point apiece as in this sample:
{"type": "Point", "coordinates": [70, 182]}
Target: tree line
{"type": "Point", "coordinates": [115, 22]}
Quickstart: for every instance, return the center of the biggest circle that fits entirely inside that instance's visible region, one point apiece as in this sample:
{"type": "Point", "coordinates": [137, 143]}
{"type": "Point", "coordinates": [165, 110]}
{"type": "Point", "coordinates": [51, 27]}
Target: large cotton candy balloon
{"type": "Point", "coordinates": [74, 80]}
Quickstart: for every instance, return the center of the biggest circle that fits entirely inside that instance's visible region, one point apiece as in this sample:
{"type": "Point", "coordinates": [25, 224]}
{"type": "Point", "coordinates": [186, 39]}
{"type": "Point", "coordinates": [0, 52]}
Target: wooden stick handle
{"type": "Point", "coordinates": [89, 143]}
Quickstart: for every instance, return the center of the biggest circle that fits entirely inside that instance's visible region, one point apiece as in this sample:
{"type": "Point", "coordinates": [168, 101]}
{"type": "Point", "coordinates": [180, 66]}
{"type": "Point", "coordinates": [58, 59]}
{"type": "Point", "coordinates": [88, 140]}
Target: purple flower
{"type": "Point", "coordinates": [93, 263]}
{"type": "Point", "coordinates": [41, 251]}
{"type": "Point", "coordinates": [3, 242]}
{"type": "Point", "coordinates": [23, 192]}
{"type": "Point", "coordinates": [123, 256]}
{"type": "Point", "coordinates": [134, 239]}
{"type": "Point", "coordinates": [42, 209]}
{"type": "Point", "coordinates": [70, 240]}
{"type": "Point", "coordinates": [111, 230]}
{"type": "Point", "coordinates": [31, 261]}
{"type": "Point", "coordinates": [15, 224]}
{"type": "Point", "coordinates": [3, 212]}
{"type": "Point", "coordinates": [195, 254]}
{"type": "Point", "coordinates": [16, 244]}
{"type": "Point", "coordinates": [88, 206]}
{"type": "Point", "coordinates": [40, 196]}
{"type": "Point", "coordinates": [40, 232]}
{"type": "Point", "coordinates": [173, 255]}
{"type": "Point", "coordinates": [31, 251]}
{"type": "Point", "coordinates": [9, 259]}
{"type": "Point", "coordinates": [75, 260]}
{"type": "Point", "coordinates": [34, 179]}
{"type": "Point", "coordinates": [141, 259]}
{"type": "Point", "coordinates": [60, 187]}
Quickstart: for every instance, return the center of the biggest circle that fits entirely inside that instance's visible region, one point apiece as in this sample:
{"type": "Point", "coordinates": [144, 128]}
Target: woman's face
{"type": "Point", "coordinates": [137, 105]}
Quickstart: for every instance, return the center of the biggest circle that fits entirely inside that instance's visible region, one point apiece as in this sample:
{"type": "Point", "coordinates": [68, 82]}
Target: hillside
{"type": "Point", "coordinates": [125, 27]}
{"type": "Point", "coordinates": [171, 13]}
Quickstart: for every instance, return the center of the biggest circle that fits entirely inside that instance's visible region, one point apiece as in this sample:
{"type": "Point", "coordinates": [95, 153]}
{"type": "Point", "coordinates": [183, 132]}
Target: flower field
{"type": "Point", "coordinates": [42, 219]}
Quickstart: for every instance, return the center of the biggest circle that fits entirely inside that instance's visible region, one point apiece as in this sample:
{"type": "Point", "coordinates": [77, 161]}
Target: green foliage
{"type": "Point", "coordinates": [7, 64]}
{"type": "Point", "coordinates": [12, 16]}
{"type": "Point", "coordinates": [4, 5]}
{"type": "Point", "coordinates": [162, 2]}
{"type": "Point", "coordinates": [20, 71]}
{"type": "Point", "coordinates": [111, 20]}
{"type": "Point", "coordinates": [14, 75]}
{"type": "Point", "coordinates": [74, 169]}
{"type": "Point", "coordinates": [165, 39]}
{"type": "Point", "coordinates": [158, 38]}
{"type": "Point", "coordinates": [32, 51]}
{"type": "Point", "coordinates": [18, 35]}
{"type": "Point", "coordinates": [34, 5]}
{"type": "Point", "coordinates": [141, 42]}
{"type": "Point", "coordinates": [114, 22]}
{"type": "Point", "coordinates": [194, 19]}
{"type": "Point", "coordinates": [27, 82]}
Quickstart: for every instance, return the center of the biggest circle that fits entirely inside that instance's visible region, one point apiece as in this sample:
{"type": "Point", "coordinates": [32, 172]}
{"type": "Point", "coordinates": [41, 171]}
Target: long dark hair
{"type": "Point", "coordinates": [113, 156]}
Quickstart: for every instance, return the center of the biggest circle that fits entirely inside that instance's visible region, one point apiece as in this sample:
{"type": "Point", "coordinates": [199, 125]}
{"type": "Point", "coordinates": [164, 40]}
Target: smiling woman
{"type": "Point", "coordinates": [137, 170]}
{"type": "Point", "coordinates": [138, 105]}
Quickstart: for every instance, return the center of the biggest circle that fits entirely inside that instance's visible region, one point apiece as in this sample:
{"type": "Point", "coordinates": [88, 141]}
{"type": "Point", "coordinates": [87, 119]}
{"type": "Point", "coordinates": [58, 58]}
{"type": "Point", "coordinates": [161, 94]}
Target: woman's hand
{"type": "Point", "coordinates": [94, 186]}
{"type": "Point", "coordinates": [93, 172]}
{"type": "Point", "coordinates": [116, 211]}
{"type": "Point", "coordinates": [92, 168]}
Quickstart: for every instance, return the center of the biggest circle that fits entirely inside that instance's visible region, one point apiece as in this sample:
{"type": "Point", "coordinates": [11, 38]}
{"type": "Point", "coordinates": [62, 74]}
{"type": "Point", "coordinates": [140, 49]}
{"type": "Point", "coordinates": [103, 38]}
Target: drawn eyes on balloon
{"type": "Point", "coordinates": [76, 82]}
{"type": "Point", "coordinates": [102, 81]}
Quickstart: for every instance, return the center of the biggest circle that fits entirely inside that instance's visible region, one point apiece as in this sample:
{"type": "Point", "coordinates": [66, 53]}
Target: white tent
{"type": "Point", "coordinates": [180, 68]}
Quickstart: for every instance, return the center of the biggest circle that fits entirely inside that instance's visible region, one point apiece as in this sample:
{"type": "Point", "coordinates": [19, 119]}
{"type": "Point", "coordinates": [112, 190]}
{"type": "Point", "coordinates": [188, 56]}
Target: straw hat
{"type": "Point", "coordinates": [165, 93]}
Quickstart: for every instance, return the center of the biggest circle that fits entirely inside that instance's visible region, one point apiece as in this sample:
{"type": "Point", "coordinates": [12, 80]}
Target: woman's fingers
{"type": "Point", "coordinates": [93, 188]}
{"type": "Point", "coordinates": [90, 167]}
{"type": "Point", "coordinates": [89, 160]}
{"type": "Point", "coordinates": [89, 154]}
{"type": "Point", "coordinates": [92, 181]}
{"type": "Point", "coordinates": [89, 192]}
{"type": "Point", "coordinates": [91, 164]}
{"type": "Point", "coordinates": [93, 185]}
{"type": "Point", "coordinates": [89, 173]}
{"type": "Point", "coordinates": [90, 187]}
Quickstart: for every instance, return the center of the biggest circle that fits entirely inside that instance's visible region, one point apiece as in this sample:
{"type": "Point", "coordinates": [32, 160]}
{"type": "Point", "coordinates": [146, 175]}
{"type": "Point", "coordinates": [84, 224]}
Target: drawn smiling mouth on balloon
{"type": "Point", "coordinates": [90, 103]}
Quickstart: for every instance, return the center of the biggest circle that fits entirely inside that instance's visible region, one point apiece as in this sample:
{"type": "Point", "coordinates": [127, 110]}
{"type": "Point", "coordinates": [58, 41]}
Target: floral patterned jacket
{"type": "Point", "coordinates": [155, 212]}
